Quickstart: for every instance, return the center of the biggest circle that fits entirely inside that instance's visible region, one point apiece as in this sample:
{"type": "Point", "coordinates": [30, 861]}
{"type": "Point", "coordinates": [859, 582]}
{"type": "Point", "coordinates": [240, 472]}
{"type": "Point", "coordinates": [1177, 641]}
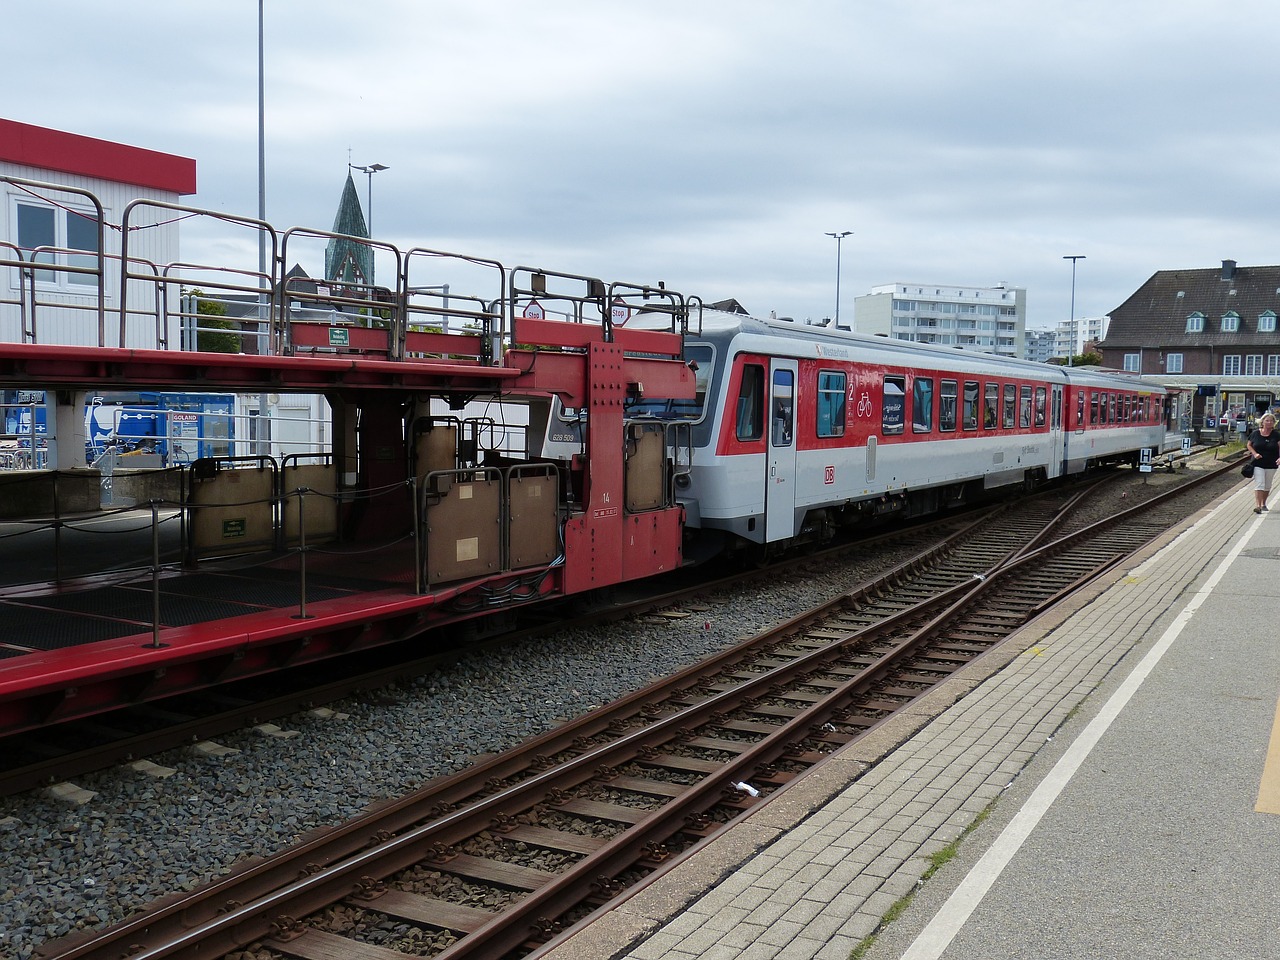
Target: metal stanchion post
{"type": "Point", "coordinates": [155, 576]}
{"type": "Point", "coordinates": [302, 557]}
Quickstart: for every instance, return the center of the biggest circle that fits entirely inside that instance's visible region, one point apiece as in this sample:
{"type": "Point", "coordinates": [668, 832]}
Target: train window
{"type": "Point", "coordinates": [971, 405]}
{"type": "Point", "coordinates": [893, 405]}
{"type": "Point", "coordinates": [1024, 406]}
{"type": "Point", "coordinates": [922, 405]}
{"type": "Point", "coordinates": [832, 400]}
{"type": "Point", "coordinates": [1093, 409]}
{"type": "Point", "coordinates": [1080, 410]}
{"type": "Point", "coordinates": [991, 406]}
{"type": "Point", "coordinates": [1010, 406]}
{"type": "Point", "coordinates": [783, 416]}
{"type": "Point", "coordinates": [750, 407]}
{"type": "Point", "coordinates": [947, 405]}
{"type": "Point", "coordinates": [1041, 395]}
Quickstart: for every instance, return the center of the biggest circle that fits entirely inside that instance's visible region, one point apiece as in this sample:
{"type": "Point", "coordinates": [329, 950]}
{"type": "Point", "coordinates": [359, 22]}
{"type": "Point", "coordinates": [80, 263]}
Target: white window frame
{"type": "Point", "coordinates": [1195, 323]}
{"type": "Point", "coordinates": [1173, 363]}
{"type": "Point", "coordinates": [1273, 365]}
{"type": "Point", "coordinates": [1231, 365]}
{"type": "Point", "coordinates": [54, 280]}
{"type": "Point", "coordinates": [1253, 365]}
{"type": "Point", "coordinates": [1230, 322]}
{"type": "Point", "coordinates": [1267, 321]}
{"type": "Point", "coordinates": [1133, 363]}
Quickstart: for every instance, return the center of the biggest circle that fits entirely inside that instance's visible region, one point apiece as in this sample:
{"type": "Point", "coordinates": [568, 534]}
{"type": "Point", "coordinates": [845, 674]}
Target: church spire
{"type": "Point", "coordinates": [346, 260]}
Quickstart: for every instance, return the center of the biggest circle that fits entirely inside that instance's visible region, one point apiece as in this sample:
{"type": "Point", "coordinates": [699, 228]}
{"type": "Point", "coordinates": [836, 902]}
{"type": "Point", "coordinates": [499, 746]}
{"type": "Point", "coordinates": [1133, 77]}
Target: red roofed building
{"type": "Point", "coordinates": [49, 182]}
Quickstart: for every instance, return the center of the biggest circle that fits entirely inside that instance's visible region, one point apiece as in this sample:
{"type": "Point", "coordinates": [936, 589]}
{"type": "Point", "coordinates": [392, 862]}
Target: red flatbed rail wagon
{"type": "Point", "coordinates": [412, 515]}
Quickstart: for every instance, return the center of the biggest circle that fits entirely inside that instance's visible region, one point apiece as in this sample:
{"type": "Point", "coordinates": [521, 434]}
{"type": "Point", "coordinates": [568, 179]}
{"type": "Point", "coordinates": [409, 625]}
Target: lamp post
{"type": "Point", "coordinates": [261, 426]}
{"type": "Point", "coordinates": [1073, 258]}
{"type": "Point", "coordinates": [369, 170]}
{"type": "Point", "coordinates": [839, 235]}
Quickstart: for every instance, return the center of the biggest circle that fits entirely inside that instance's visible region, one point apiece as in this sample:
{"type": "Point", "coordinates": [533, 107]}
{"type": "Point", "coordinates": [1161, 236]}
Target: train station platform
{"type": "Point", "coordinates": [1105, 785]}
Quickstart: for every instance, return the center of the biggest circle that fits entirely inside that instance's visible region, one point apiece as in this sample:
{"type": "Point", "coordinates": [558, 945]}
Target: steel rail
{"type": "Point", "coordinates": [571, 772]}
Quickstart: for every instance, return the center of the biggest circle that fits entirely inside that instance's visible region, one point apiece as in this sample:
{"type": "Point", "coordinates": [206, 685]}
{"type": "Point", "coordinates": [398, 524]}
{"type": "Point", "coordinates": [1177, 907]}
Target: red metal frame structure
{"type": "Point", "coordinates": [375, 353]}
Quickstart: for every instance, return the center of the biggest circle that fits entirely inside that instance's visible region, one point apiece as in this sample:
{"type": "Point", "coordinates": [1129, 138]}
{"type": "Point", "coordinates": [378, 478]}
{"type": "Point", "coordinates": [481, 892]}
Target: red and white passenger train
{"type": "Point", "coordinates": [798, 430]}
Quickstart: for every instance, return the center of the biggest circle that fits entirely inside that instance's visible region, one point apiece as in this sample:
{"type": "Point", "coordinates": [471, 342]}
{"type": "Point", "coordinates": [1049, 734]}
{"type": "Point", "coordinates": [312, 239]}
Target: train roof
{"type": "Point", "coordinates": [828, 341]}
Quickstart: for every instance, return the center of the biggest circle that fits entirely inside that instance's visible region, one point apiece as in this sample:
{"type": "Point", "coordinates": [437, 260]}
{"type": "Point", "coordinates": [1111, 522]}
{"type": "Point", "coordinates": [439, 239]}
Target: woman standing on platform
{"type": "Point", "coordinates": [1264, 445]}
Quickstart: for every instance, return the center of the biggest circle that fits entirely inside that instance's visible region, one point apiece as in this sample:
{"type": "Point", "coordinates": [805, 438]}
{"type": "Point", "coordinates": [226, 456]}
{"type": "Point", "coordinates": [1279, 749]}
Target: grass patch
{"type": "Point", "coordinates": [937, 861]}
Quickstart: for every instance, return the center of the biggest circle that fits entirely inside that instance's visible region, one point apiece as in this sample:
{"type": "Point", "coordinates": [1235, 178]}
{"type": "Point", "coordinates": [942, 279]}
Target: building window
{"type": "Point", "coordinates": [1132, 363]}
{"type": "Point", "coordinates": [1267, 321]}
{"type": "Point", "coordinates": [1195, 323]}
{"type": "Point", "coordinates": [1273, 364]}
{"type": "Point", "coordinates": [1230, 322]}
{"type": "Point", "coordinates": [1231, 366]}
{"type": "Point", "coordinates": [1253, 365]}
{"type": "Point", "coordinates": [1173, 363]}
{"type": "Point", "coordinates": [59, 229]}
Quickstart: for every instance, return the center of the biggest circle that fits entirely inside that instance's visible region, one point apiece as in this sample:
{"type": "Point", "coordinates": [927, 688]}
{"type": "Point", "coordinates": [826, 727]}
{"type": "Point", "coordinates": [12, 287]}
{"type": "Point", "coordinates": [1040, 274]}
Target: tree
{"type": "Point", "coordinates": [211, 324]}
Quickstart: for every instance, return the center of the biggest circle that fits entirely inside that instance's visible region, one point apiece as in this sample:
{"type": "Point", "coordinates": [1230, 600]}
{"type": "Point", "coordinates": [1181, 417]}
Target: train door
{"type": "Point", "coordinates": [780, 484]}
{"type": "Point", "coordinates": [1057, 432]}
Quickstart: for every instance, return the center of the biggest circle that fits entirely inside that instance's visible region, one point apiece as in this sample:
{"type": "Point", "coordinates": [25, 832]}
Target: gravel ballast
{"type": "Point", "coordinates": [71, 865]}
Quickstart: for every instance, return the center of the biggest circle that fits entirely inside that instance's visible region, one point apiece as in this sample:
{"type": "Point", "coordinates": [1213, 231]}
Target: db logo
{"type": "Point", "coordinates": [829, 475]}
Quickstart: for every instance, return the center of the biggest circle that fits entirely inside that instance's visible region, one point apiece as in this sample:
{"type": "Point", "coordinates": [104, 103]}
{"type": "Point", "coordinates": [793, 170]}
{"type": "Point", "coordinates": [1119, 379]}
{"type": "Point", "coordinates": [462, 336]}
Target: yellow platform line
{"type": "Point", "coordinates": [1269, 789]}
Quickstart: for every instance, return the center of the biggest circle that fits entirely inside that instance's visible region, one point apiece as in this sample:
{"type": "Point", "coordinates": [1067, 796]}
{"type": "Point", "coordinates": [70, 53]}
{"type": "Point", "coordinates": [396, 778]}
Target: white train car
{"type": "Point", "coordinates": [799, 430]}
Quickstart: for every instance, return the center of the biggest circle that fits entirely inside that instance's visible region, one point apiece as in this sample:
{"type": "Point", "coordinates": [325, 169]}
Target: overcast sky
{"type": "Point", "coordinates": [710, 144]}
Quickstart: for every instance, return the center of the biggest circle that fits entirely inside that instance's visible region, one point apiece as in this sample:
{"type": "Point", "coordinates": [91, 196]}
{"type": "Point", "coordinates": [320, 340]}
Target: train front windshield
{"type": "Point", "coordinates": [701, 355]}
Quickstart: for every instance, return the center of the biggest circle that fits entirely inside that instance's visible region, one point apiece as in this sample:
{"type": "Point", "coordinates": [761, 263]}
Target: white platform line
{"type": "Point", "coordinates": [942, 929]}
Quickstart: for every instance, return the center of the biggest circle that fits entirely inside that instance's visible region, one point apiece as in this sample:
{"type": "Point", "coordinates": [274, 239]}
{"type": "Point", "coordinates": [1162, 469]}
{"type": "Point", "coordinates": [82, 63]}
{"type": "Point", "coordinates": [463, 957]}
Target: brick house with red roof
{"type": "Point", "coordinates": [1211, 332]}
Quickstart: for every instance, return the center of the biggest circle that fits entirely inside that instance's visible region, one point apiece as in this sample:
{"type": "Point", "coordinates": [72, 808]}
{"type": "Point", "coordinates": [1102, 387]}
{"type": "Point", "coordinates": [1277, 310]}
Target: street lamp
{"type": "Point", "coordinates": [1073, 258]}
{"type": "Point", "coordinates": [839, 238]}
{"type": "Point", "coordinates": [369, 171]}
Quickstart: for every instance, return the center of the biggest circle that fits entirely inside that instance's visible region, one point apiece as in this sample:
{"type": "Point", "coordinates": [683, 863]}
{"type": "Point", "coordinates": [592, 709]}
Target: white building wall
{"type": "Point", "coordinates": [1085, 330]}
{"type": "Point", "coordinates": [65, 310]}
{"type": "Point", "coordinates": [983, 319]}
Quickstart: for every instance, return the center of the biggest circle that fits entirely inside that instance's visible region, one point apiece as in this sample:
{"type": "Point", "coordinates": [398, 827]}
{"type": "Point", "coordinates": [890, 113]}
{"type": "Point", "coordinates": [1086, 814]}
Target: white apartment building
{"type": "Point", "coordinates": [1072, 337]}
{"type": "Point", "coordinates": [982, 319]}
{"type": "Point", "coordinates": [1040, 345]}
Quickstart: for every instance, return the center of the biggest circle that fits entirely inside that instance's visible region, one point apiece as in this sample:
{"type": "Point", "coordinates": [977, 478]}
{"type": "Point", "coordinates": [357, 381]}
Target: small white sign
{"type": "Point", "coordinates": [620, 313]}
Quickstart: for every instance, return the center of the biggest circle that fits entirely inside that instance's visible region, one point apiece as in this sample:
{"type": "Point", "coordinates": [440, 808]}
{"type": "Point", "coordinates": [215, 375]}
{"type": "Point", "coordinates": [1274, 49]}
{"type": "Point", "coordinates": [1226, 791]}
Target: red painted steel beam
{"type": "Point", "coordinates": [68, 367]}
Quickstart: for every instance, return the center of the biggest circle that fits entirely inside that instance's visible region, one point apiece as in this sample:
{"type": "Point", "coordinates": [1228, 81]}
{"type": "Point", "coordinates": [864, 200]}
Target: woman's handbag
{"type": "Point", "coordinates": [1247, 470]}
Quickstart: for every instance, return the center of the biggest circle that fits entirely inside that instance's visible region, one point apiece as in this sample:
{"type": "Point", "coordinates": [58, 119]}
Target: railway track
{"type": "Point", "coordinates": [498, 859]}
{"type": "Point", "coordinates": [70, 749]}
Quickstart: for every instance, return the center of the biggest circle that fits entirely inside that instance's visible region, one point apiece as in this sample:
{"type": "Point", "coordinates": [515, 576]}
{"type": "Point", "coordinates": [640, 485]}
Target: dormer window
{"type": "Point", "coordinates": [1230, 322]}
{"type": "Point", "coordinates": [1267, 321]}
{"type": "Point", "coordinates": [1195, 322]}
